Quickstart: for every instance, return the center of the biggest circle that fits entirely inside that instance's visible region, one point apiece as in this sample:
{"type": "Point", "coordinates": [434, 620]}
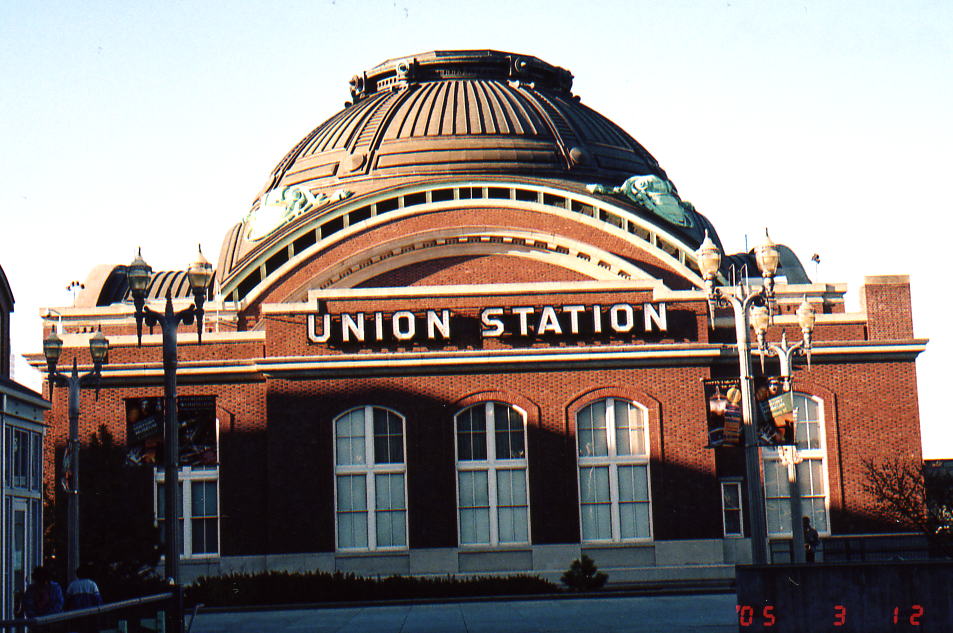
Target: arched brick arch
{"type": "Point", "coordinates": [529, 407]}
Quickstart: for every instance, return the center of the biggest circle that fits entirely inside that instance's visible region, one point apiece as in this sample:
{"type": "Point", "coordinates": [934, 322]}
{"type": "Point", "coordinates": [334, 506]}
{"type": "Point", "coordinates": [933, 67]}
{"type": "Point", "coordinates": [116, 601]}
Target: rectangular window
{"type": "Point", "coordinates": [633, 502]}
{"type": "Point", "coordinates": [36, 461]}
{"type": "Point", "coordinates": [391, 510]}
{"type": "Point", "coordinates": [352, 511]}
{"type": "Point", "coordinates": [198, 511]}
{"type": "Point", "coordinates": [474, 507]}
{"type": "Point", "coordinates": [596, 501]}
{"type": "Point", "coordinates": [204, 517]}
{"type": "Point", "coordinates": [24, 454]}
{"type": "Point", "coordinates": [731, 508]}
{"type": "Point", "coordinates": [512, 507]}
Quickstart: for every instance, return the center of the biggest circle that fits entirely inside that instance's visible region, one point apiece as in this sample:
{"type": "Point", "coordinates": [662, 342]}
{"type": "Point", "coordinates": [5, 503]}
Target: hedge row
{"type": "Point", "coordinates": [293, 588]}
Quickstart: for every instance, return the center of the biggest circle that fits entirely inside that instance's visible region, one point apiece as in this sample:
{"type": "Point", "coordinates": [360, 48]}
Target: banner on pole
{"type": "Point", "coordinates": [723, 406]}
{"type": "Point", "coordinates": [776, 412]}
{"type": "Point", "coordinates": [145, 424]}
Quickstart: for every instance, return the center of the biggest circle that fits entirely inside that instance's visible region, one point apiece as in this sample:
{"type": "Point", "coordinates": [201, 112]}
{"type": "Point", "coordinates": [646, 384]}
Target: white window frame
{"type": "Point", "coordinates": [734, 483]}
{"type": "Point", "coordinates": [491, 465]}
{"type": "Point", "coordinates": [613, 461]}
{"type": "Point", "coordinates": [29, 444]}
{"type": "Point", "coordinates": [187, 476]}
{"type": "Point", "coordinates": [369, 469]}
{"type": "Point", "coordinates": [772, 456]}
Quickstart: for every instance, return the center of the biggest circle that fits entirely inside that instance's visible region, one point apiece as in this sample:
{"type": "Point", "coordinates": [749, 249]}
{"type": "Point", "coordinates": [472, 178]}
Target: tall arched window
{"type": "Point", "coordinates": [811, 471]}
{"type": "Point", "coordinates": [370, 477]}
{"type": "Point", "coordinates": [492, 498]}
{"type": "Point", "coordinates": [613, 460]}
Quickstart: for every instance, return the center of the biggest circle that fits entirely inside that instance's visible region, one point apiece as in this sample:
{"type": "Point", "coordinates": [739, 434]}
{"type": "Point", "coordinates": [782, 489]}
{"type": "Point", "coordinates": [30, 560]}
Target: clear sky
{"type": "Point", "coordinates": [156, 124]}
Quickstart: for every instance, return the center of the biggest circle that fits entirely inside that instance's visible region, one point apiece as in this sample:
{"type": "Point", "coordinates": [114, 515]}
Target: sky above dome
{"type": "Point", "coordinates": [128, 124]}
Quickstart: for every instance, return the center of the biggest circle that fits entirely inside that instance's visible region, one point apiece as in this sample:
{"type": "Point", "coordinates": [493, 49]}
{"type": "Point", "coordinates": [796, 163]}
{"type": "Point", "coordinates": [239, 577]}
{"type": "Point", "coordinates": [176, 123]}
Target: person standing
{"type": "Point", "coordinates": [811, 540]}
{"type": "Point", "coordinates": [43, 596]}
{"type": "Point", "coordinates": [83, 592]}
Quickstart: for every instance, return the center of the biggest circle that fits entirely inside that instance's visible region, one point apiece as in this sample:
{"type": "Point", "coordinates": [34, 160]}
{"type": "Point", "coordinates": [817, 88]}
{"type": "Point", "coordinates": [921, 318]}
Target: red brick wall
{"type": "Point", "coordinates": [275, 437]}
{"type": "Point", "coordinates": [242, 430]}
{"type": "Point", "coordinates": [300, 475]}
{"type": "Point", "coordinates": [489, 269]}
{"type": "Point", "coordinates": [871, 414]}
{"type": "Point", "coordinates": [887, 302]}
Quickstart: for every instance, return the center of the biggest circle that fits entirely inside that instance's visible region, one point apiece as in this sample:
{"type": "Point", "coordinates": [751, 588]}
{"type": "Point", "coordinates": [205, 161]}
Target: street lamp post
{"type": "Point", "coordinates": [139, 275]}
{"type": "Point", "coordinates": [785, 354]}
{"type": "Point", "coordinates": [98, 347]}
{"type": "Point", "coordinates": [741, 300]}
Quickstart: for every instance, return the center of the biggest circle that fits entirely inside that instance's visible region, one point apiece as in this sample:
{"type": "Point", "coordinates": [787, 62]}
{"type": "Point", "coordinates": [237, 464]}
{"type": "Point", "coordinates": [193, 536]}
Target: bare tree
{"type": "Point", "coordinates": [914, 496]}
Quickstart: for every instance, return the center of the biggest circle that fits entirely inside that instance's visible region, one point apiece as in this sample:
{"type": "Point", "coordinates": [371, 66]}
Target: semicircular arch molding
{"type": "Point", "coordinates": [596, 264]}
{"type": "Point", "coordinates": [287, 248]}
{"type": "Point", "coordinates": [527, 406]}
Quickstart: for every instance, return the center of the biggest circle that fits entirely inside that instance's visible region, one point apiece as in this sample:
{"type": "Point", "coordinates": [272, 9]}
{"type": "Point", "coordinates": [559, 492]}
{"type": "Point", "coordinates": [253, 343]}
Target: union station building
{"type": "Point", "coordinates": [463, 329]}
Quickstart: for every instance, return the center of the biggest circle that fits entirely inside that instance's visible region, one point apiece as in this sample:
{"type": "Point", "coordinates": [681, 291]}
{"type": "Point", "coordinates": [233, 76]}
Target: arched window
{"type": "Point", "coordinates": [370, 477]}
{"type": "Point", "coordinates": [811, 471]}
{"type": "Point", "coordinates": [492, 498]}
{"type": "Point", "coordinates": [613, 460]}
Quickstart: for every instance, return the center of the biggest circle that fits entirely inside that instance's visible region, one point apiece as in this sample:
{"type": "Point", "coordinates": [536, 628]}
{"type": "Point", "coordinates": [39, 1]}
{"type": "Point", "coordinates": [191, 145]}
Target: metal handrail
{"type": "Point", "coordinates": [66, 616]}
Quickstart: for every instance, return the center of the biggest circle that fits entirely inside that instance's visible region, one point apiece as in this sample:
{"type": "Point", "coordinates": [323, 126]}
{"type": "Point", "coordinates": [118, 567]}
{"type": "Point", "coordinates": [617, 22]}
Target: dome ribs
{"type": "Point", "coordinates": [427, 112]}
{"type": "Point", "coordinates": [328, 135]}
{"type": "Point", "coordinates": [449, 110]}
{"type": "Point", "coordinates": [596, 130]}
{"type": "Point", "coordinates": [319, 141]}
{"type": "Point", "coordinates": [372, 128]}
{"type": "Point", "coordinates": [405, 116]}
{"type": "Point", "coordinates": [511, 121]}
{"type": "Point", "coordinates": [489, 109]}
{"type": "Point", "coordinates": [625, 141]}
{"type": "Point", "coordinates": [482, 108]}
{"type": "Point", "coordinates": [566, 137]}
{"type": "Point", "coordinates": [343, 136]}
{"type": "Point", "coordinates": [461, 124]}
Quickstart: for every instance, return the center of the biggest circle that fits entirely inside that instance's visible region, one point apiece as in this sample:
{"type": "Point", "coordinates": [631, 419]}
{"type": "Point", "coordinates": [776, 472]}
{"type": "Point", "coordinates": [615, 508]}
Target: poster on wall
{"type": "Point", "coordinates": [775, 412]}
{"type": "Point", "coordinates": [723, 406]}
{"type": "Point", "coordinates": [145, 423]}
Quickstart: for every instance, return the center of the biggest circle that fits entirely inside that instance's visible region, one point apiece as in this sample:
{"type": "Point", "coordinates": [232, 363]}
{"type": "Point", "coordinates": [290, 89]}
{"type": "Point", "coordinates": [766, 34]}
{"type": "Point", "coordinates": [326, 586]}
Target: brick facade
{"type": "Point", "coordinates": [598, 296]}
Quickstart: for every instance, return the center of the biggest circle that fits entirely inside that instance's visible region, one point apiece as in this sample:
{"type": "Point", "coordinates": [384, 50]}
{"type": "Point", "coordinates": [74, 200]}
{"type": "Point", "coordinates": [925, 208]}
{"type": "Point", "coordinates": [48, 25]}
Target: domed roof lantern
{"type": "Point", "coordinates": [469, 64]}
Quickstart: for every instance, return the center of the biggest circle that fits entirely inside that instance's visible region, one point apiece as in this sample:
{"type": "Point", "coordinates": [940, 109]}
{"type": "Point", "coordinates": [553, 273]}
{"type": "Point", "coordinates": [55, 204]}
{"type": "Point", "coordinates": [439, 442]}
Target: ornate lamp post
{"type": "Point", "coordinates": [98, 347]}
{"type": "Point", "coordinates": [785, 354]}
{"type": "Point", "coordinates": [139, 275]}
{"type": "Point", "coordinates": [741, 300]}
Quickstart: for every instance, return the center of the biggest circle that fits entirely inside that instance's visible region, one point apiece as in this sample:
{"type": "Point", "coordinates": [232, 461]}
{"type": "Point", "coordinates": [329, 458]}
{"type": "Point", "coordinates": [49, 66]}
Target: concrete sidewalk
{"type": "Point", "coordinates": [709, 613]}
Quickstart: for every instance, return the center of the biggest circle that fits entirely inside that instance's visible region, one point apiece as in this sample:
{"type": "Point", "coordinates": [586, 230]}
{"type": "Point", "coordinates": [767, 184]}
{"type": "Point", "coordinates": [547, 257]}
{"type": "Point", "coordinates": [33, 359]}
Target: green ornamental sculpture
{"type": "Point", "coordinates": [654, 194]}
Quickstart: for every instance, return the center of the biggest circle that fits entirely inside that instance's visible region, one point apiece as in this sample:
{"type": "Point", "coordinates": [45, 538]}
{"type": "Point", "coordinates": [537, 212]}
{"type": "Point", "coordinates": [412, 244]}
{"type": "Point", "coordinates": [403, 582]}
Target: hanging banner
{"type": "Point", "coordinates": [723, 401]}
{"type": "Point", "coordinates": [145, 424]}
{"type": "Point", "coordinates": [776, 412]}
{"type": "Point", "coordinates": [198, 441]}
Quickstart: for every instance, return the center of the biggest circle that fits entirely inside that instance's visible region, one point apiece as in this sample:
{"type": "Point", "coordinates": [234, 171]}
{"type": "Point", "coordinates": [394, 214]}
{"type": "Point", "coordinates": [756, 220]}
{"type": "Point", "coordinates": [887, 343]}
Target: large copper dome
{"type": "Point", "coordinates": [453, 112]}
{"type": "Point", "coordinates": [428, 132]}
